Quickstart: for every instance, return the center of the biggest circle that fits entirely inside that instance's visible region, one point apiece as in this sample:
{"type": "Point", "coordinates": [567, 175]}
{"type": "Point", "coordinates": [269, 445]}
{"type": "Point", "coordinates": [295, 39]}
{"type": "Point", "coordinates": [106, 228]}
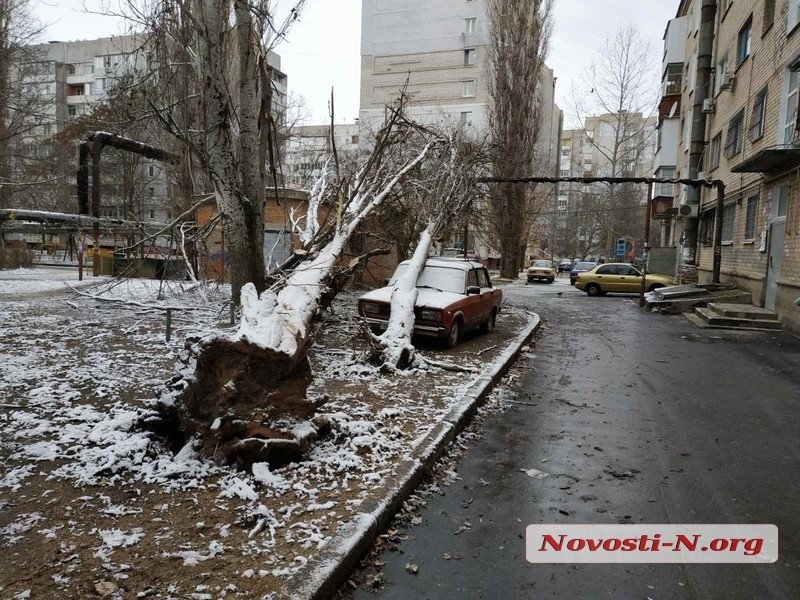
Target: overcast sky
{"type": "Point", "coordinates": [323, 49]}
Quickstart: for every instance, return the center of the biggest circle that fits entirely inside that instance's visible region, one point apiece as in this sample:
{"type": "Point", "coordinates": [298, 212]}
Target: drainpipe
{"type": "Point", "coordinates": [698, 136]}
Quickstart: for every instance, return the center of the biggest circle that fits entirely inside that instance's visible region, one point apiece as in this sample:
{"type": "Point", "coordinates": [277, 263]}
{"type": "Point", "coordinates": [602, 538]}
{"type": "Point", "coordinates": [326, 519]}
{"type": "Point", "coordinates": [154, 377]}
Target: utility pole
{"type": "Point", "coordinates": [648, 216]}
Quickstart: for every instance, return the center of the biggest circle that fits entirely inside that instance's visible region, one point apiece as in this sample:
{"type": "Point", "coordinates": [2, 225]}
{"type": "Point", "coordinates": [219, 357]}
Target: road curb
{"type": "Point", "coordinates": [321, 576]}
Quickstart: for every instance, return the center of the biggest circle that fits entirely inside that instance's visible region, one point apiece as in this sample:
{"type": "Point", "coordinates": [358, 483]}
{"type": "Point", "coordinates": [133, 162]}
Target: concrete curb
{"type": "Point", "coordinates": [321, 576]}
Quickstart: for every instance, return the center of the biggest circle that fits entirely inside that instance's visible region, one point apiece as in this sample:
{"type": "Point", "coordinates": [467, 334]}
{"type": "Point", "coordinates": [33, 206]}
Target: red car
{"type": "Point", "coordinates": [454, 296]}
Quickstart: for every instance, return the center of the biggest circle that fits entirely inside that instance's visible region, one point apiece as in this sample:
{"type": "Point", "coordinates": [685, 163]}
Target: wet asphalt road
{"type": "Point", "coordinates": [707, 422]}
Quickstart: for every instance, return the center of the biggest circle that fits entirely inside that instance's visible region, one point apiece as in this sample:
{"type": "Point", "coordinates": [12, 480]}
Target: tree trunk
{"type": "Point", "coordinates": [396, 349]}
{"type": "Point", "coordinates": [238, 200]}
{"type": "Point", "coordinates": [5, 167]}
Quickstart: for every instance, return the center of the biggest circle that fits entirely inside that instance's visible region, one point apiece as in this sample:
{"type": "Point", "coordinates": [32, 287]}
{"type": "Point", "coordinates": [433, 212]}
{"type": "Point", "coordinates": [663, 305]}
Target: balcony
{"type": "Point", "coordinates": [80, 79]}
{"type": "Point", "coordinates": [770, 161]}
{"type": "Point", "coordinates": [82, 99]}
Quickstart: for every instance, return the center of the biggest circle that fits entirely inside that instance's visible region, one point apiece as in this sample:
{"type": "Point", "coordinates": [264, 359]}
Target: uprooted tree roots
{"type": "Point", "coordinates": [244, 404]}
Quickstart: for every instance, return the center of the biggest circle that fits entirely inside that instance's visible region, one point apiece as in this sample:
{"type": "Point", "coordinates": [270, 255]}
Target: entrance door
{"type": "Point", "coordinates": [775, 259]}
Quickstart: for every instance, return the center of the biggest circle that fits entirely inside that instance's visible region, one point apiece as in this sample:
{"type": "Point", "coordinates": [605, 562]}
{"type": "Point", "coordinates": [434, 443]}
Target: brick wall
{"type": "Point", "coordinates": [771, 50]}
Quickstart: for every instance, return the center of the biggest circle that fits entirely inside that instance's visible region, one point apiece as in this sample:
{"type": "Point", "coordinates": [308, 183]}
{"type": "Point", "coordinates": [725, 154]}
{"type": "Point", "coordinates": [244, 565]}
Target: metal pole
{"type": "Point", "coordinates": [169, 323]}
{"type": "Point", "coordinates": [718, 232]}
{"type": "Point", "coordinates": [648, 216]}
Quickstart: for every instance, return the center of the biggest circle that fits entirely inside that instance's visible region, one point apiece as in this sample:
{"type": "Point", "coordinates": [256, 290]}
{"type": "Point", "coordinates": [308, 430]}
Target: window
{"type": "Point", "coordinates": [708, 226]}
{"type": "Point", "coordinates": [72, 111]}
{"type": "Point", "coordinates": [733, 142]}
{"type": "Point", "coordinates": [745, 38]}
{"type": "Point", "coordinates": [106, 62]}
{"type": "Point", "coordinates": [564, 172]}
{"type": "Point", "coordinates": [722, 68]}
{"type": "Point", "coordinates": [607, 270]}
{"type": "Point", "coordinates": [769, 16]}
{"type": "Point", "coordinates": [470, 25]}
{"type": "Point", "coordinates": [483, 278]}
{"type": "Point", "coordinates": [783, 201]}
{"type": "Point", "coordinates": [629, 272]}
{"type": "Point", "coordinates": [469, 88]}
{"type": "Point", "coordinates": [470, 57]}
{"type": "Point", "coordinates": [794, 15]}
{"type": "Point", "coordinates": [354, 139]}
{"type": "Point", "coordinates": [759, 111]}
{"type": "Point", "coordinates": [665, 189]}
{"type": "Point", "coordinates": [151, 170]}
{"type": "Point", "coordinates": [472, 278]}
{"type": "Point", "coordinates": [151, 191]}
{"type": "Point", "coordinates": [466, 118]}
{"type": "Point", "coordinates": [728, 219]}
{"type": "Point", "coordinates": [716, 147]}
{"type": "Point", "coordinates": [152, 213]}
{"type": "Point", "coordinates": [791, 108]}
{"type": "Point", "coordinates": [673, 79]}
{"type": "Point", "coordinates": [752, 216]}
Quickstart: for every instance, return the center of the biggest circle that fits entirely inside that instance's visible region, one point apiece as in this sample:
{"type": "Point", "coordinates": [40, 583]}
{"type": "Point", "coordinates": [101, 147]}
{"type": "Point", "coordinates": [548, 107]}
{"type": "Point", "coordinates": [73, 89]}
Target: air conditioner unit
{"type": "Point", "coordinates": [687, 210]}
{"type": "Point", "coordinates": [726, 81]}
{"type": "Point", "coordinates": [708, 106]}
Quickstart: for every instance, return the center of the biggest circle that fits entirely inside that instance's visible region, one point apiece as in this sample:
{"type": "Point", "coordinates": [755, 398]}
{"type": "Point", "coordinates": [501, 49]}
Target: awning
{"type": "Point", "coordinates": [771, 160]}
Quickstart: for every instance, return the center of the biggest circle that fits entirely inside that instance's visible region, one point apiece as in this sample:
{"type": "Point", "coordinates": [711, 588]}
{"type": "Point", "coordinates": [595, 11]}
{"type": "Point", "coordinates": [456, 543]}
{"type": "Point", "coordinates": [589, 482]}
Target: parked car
{"type": "Point", "coordinates": [541, 270]}
{"type": "Point", "coordinates": [565, 266]}
{"type": "Point", "coordinates": [580, 267]}
{"type": "Point", "coordinates": [454, 297]}
{"type": "Point", "coordinates": [619, 278]}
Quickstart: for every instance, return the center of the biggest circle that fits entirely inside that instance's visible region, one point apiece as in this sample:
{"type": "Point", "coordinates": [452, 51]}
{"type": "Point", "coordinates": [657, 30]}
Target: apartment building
{"type": "Point", "coordinates": [743, 127]}
{"type": "Point", "coordinates": [309, 148]}
{"type": "Point", "coordinates": [608, 145]}
{"type": "Point", "coordinates": [72, 79]}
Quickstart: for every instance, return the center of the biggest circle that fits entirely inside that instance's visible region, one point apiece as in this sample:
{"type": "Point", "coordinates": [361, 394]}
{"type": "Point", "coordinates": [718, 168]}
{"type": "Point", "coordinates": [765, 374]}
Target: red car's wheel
{"type": "Point", "coordinates": [455, 334]}
{"type": "Point", "coordinates": [488, 326]}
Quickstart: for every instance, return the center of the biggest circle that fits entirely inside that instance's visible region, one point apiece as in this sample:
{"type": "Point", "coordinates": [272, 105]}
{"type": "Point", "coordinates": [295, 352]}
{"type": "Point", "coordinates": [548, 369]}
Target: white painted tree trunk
{"type": "Point", "coordinates": [398, 351]}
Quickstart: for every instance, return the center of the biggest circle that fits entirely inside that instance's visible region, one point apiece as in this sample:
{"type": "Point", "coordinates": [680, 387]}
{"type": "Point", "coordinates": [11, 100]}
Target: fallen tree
{"type": "Point", "coordinates": [442, 192]}
{"type": "Point", "coordinates": [243, 395]}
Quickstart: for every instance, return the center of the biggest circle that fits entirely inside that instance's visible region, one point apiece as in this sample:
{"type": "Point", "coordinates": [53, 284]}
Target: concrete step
{"type": "Point", "coordinates": [714, 319]}
{"type": "Point", "coordinates": [742, 311]}
{"type": "Point", "coordinates": [687, 305]}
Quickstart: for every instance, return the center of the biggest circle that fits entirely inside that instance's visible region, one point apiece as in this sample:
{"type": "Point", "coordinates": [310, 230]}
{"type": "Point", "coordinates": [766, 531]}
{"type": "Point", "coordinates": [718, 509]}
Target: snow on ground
{"type": "Point", "coordinates": [18, 282]}
{"type": "Point", "coordinates": [91, 496]}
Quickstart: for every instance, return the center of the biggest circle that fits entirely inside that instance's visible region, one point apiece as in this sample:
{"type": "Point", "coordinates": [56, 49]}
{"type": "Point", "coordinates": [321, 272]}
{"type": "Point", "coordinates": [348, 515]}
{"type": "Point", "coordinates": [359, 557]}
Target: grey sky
{"type": "Point", "coordinates": [323, 50]}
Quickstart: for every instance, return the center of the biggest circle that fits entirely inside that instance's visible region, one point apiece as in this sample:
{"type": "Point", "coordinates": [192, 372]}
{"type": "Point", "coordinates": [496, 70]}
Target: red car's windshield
{"type": "Point", "coordinates": [444, 278]}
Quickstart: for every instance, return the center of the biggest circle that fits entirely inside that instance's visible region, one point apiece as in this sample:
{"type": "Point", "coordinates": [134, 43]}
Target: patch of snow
{"type": "Point", "coordinates": [263, 475]}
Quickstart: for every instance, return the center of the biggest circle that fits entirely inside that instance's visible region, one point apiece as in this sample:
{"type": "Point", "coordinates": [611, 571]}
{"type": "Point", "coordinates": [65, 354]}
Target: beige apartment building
{"type": "Point", "coordinates": [740, 127]}
{"type": "Point", "coordinates": [437, 50]}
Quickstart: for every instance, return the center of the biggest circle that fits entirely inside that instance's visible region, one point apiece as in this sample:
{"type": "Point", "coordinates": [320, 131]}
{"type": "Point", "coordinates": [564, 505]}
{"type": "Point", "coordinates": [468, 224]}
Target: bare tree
{"type": "Point", "coordinates": [21, 95]}
{"type": "Point", "coordinates": [614, 102]}
{"type": "Point", "coordinates": [214, 56]}
{"type": "Point", "coordinates": [519, 34]}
